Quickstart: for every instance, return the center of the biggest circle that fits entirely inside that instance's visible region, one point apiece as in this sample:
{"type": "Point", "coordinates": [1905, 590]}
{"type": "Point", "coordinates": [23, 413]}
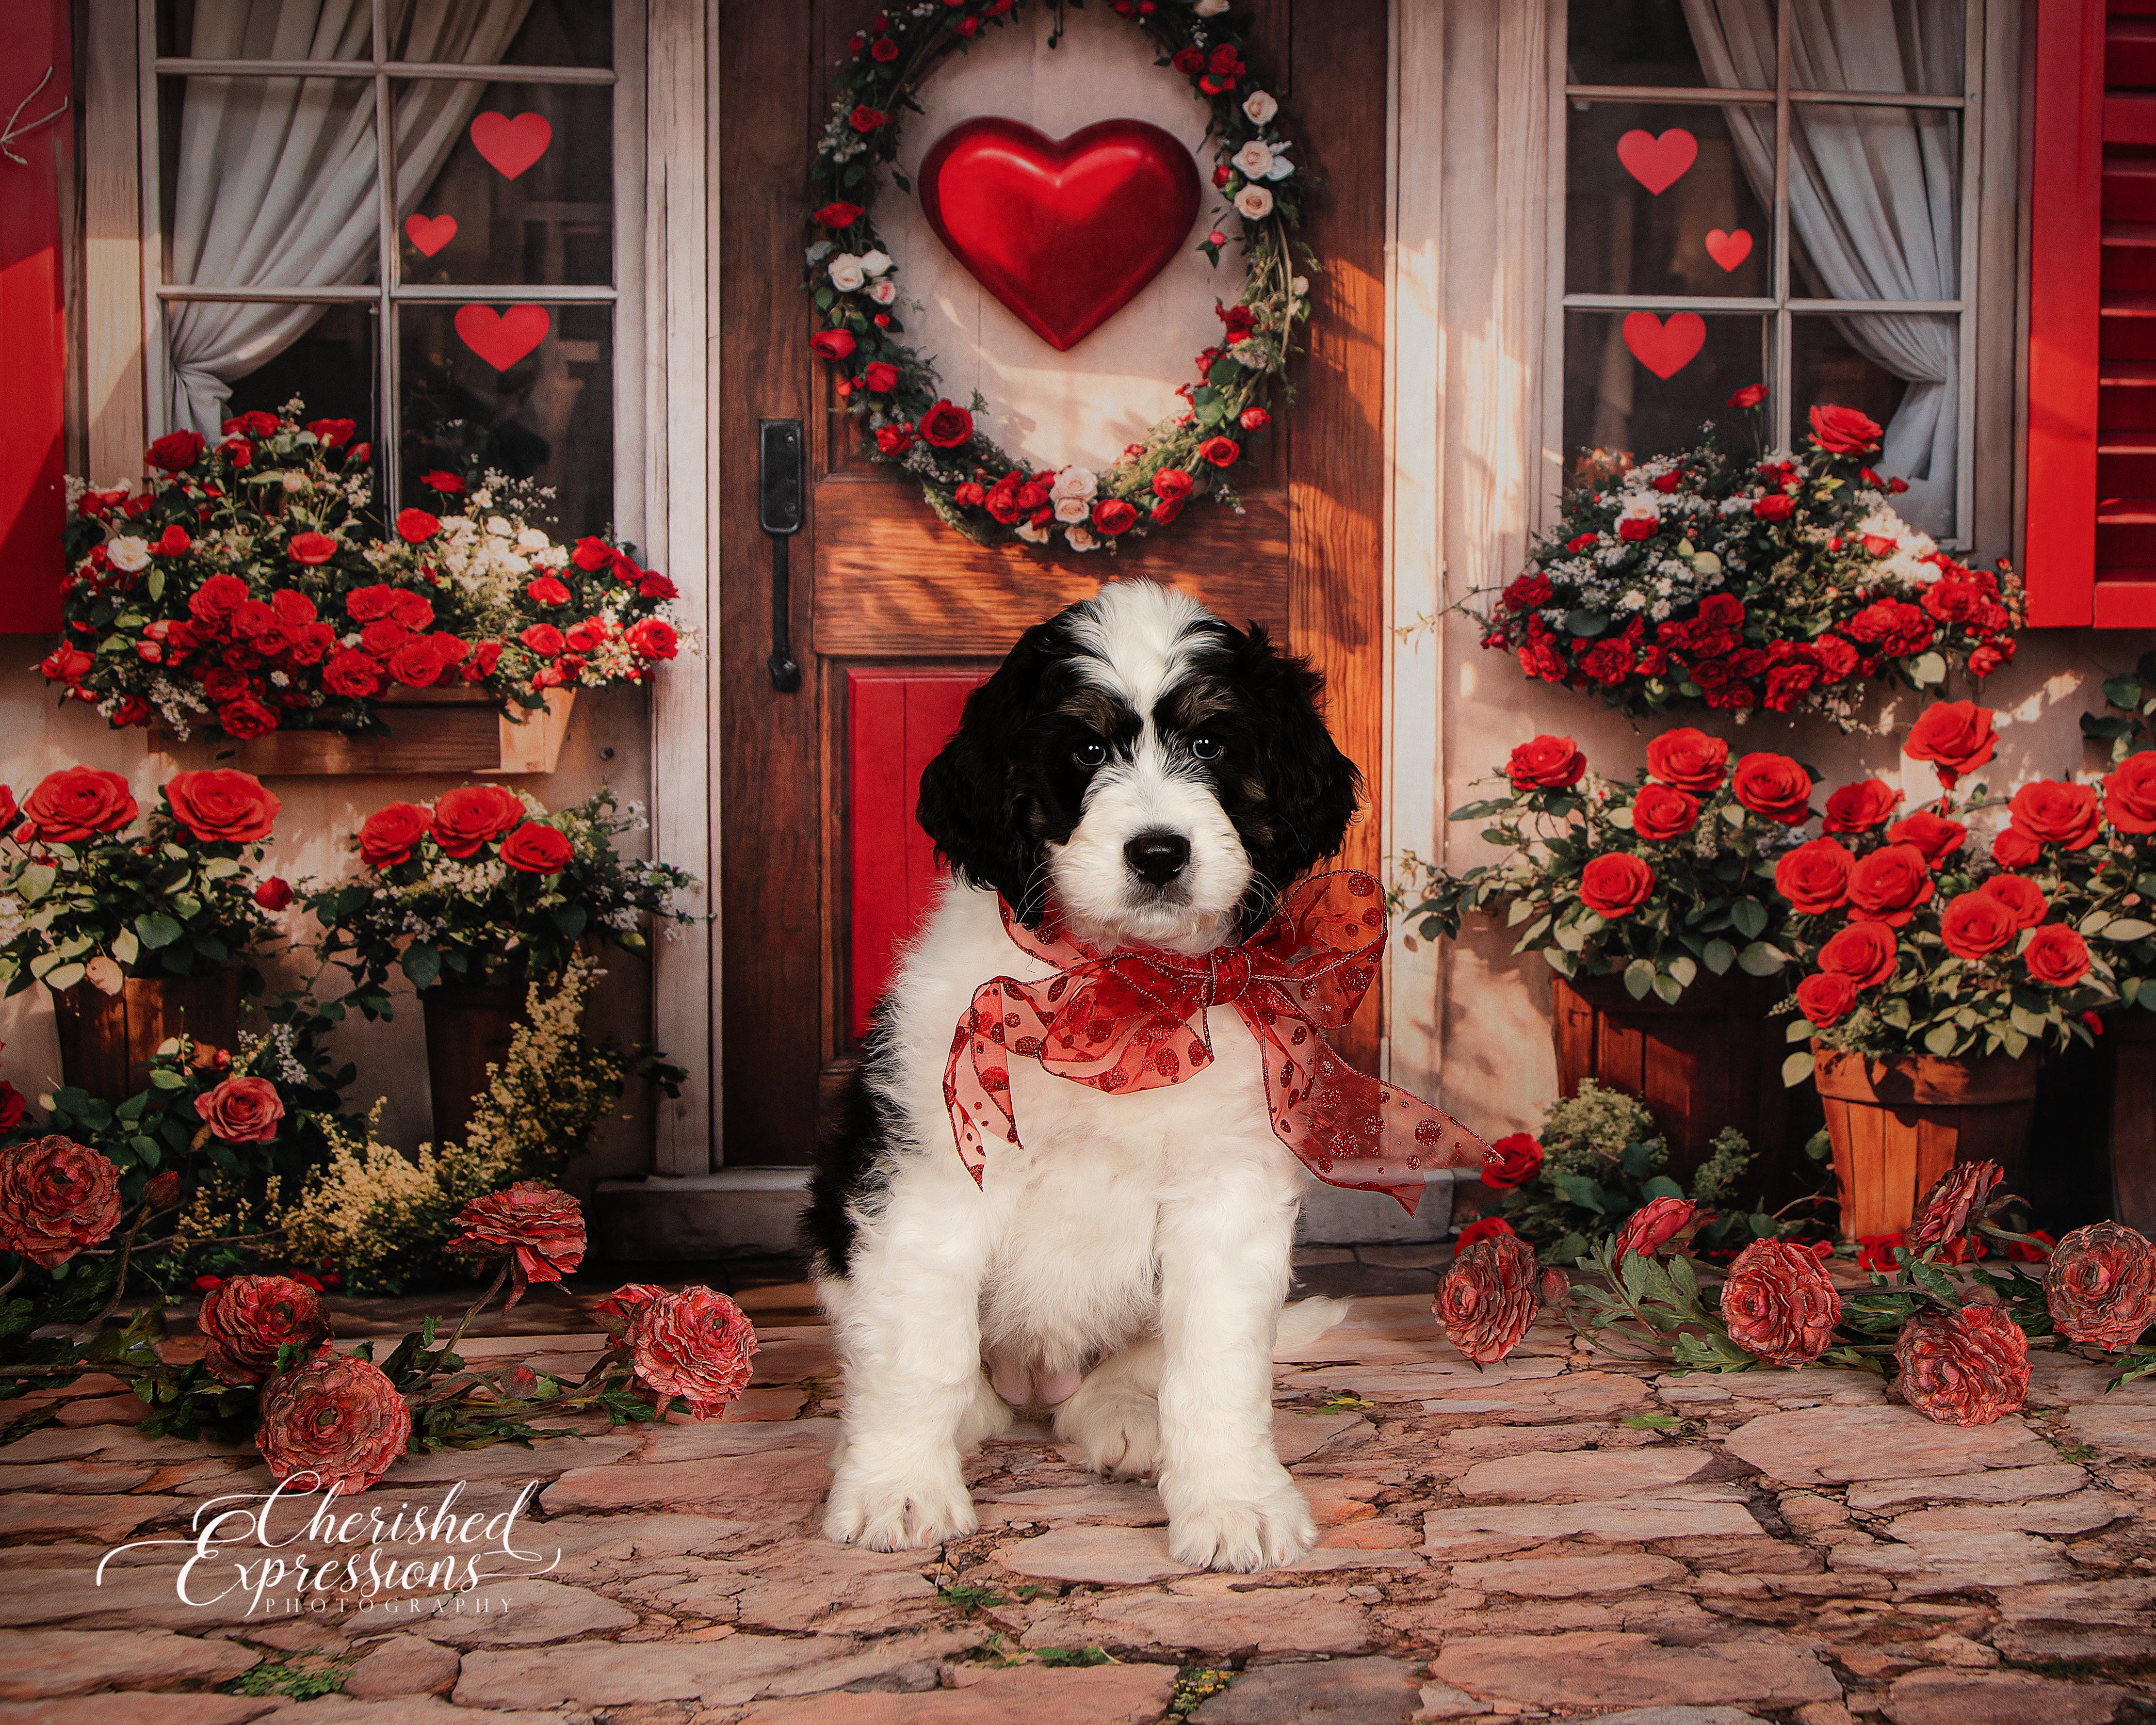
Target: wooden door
{"type": "Point", "coordinates": [893, 615]}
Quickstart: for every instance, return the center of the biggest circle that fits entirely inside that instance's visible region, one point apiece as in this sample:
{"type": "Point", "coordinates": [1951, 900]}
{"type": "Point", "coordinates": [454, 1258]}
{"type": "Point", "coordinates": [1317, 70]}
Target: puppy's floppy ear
{"type": "Point", "coordinates": [972, 805]}
{"type": "Point", "coordinates": [1310, 789]}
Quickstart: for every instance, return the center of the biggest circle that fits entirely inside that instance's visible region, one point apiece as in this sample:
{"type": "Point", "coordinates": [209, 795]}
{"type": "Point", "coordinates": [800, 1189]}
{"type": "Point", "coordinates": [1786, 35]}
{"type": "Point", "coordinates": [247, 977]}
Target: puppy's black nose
{"type": "Point", "coordinates": [1158, 857]}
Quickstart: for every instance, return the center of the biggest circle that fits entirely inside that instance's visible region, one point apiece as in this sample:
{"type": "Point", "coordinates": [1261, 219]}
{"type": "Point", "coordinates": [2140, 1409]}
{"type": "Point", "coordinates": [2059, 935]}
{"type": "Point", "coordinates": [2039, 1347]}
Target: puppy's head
{"type": "Point", "coordinates": [1156, 774]}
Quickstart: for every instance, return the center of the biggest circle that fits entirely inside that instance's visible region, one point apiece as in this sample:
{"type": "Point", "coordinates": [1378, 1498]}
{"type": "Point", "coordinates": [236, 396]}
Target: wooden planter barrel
{"type": "Point", "coordinates": [106, 1041]}
{"type": "Point", "coordinates": [1897, 1126]}
{"type": "Point", "coordinates": [468, 1027]}
{"type": "Point", "coordinates": [2129, 1038]}
{"type": "Point", "coordinates": [1711, 1062]}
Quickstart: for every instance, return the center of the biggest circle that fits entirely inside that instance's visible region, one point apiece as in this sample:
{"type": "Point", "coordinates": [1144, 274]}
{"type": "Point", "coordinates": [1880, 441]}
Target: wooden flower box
{"type": "Point", "coordinates": [431, 730]}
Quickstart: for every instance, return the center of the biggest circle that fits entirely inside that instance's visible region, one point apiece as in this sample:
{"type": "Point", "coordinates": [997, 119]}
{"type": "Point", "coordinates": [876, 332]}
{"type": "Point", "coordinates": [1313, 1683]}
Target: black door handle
{"type": "Point", "coordinates": [780, 483]}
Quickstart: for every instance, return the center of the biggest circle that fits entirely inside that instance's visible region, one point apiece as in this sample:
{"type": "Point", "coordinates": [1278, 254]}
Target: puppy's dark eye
{"type": "Point", "coordinates": [1206, 748]}
{"type": "Point", "coordinates": [1090, 754]}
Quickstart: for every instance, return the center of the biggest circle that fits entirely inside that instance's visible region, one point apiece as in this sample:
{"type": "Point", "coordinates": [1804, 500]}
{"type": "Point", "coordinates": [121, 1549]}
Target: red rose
{"type": "Point", "coordinates": [1512, 1161]}
{"type": "Point", "coordinates": [1112, 516]}
{"type": "Point", "coordinates": [656, 586]}
{"type": "Point", "coordinates": [1750, 396]}
{"type": "Point", "coordinates": [590, 555]}
{"type": "Point", "coordinates": [352, 674]}
{"type": "Point", "coordinates": [2055, 814]}
{"type": "Point", "coordinates": [1528, 593]}
{"type": "Point", "coordinates": [415, 526]}
{"type": "Point", "coordinates": [946, 425]}
{"type": "Point", "coordinates": [1660, 812]}
{"type": "Point", "coordinates": [1953, 1204]}
{"type": "Point", "coordinates": [273, 893]}
{"type": "Point", "coordinates": [1255, 419]}
{"type": "Point", "coordinates": [1814, 877]}
{"type": "Point", "coordinates": [387, 836]}
{"type": "Point", "coordinates": [1866, 952]}
{"type": "Point", "coordinates": [220, 806]}
{"type": "Point", "coordinates": [546, 590]}
{"type": "Point", "coordinates": [1938, 839]}
{"type": "Point", "coordinates": [1876, 1251]}
{"type": "Point", "coordinates": [1487, 1300]}
{"type": "Point", "coordinates": [2129, 793]}
{"type": "Point", "coordinates": [1579, 542]}
{"type": "Point", "coordinates": [694, 1344]}
{"type": "Point", "coordinates": [2024, 898]}
{"type": "Point", "coordinates": [1220, 451]}
{"type": "Point", "coordinates": [1546, 764]}
{"type": "Point", "coordinates": [2056, 956]}
{"type": "Point", "coordinates": [840, 214]}
{"type": "Point", "coordinates": [1688, 759]}
{"type": "Point", "coordinates": [78, 803]}
{"type": "Point", "coordinates": [416, 662]}
{"type": "Point", "coordinates": [1859, 807]}
{"type": "Point", "coordinates": [245, 718]}
{"type": "Point", "coordinates": [1652, 1226]}
{"type": "Point", "coordinates": [371, 603]}
{"type": "Point", "coordinates": [473, 815]}
{"type": "Point", "coordinates": [894, 441]}
{"type": "Point", "coordinates": [335, 1424]}
{"type": "Point", "coordinates": [865, 119]}
{"type": "Point", "coordinates": [621, 1306]}
{"type": "Point", "coordinates": [66, 664]}
{"type": "Point", "coordinates": [1954, 736]}
{"type": "Point", "coordinates": [832, 344]}
{"type": "Point", "coordinates": [1488, 1228]}
{"type": "Point", "coordinates": [1777, 1304]}
{"type": "Point", "coordinates": [1774, 787]}
{"type": "Point", "coordinates": [1976, 925]}
{"type": "Point", "coordinates": [535, 849]}
{"type": "Point", "coordinates": [1825, 1000]}
{"type": "Point", "coordinates": [1775, 507]}
{"type": "Point", "coordinates": [245, 1319]}
{"type": "Point", "coordinates": [213, 604]}
{"type": "Point", "coordinates": [880, 376]}
{"type": "Point", "coordinates": [242, 1110]}
{"type": "Point", "coordinates": [2014, 849]}
{"type": "Point", "coordinates": [57, 1197]}
{"type": "Point", "coordinates": [543, 639]}
{"type": "Point", "coordinates": [2101, 1285]}
{"type": "Point", "coordinates": [540, 1230]}
{"type": "Point", "coordinates": [172, 542]}
{"type": "Point", "coordinates": [653, 638]}
{"type": "Point", "coordinates": [176, 451]}
{"type": "Point", "coordinates": [1171, 485]}
{"type": "Point", "coordinates": [1891, 883]}
{"type": "Point", "coordinates": [1843, 431]}
{"type": "Point", "coordinates": [1615, 884]}
{"type": "Point", "coordinates": [332, 434]}
{"type": "Point", "coordinates": [1966, 1367]}
{"type": "Point", "coordinates": [312, 549]}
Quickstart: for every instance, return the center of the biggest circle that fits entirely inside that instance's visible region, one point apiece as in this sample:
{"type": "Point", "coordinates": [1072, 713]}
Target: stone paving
{"type": "Point", "coordinates": [1556, 1536]}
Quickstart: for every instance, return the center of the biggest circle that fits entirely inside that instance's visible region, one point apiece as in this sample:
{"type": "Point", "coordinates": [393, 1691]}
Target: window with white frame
{"type": "Point", "coordinates": [1778, 191]}
{"type": "Point", "coordinates": [405, 211]}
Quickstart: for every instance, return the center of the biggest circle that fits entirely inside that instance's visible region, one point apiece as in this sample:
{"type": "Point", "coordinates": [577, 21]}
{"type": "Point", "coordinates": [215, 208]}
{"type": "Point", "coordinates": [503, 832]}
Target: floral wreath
{"type": "Point", "coordinates": [989, 496]}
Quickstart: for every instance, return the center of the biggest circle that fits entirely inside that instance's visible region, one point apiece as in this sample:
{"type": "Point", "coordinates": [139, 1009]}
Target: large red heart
{"type": "Point", "coordinates": [501, 338]}
{"type": "Point", "coordinates": [1064, 233]}
{"type": "Point", "coordinates": [1665, 348]}
{"type": "Point", "coordinates": [511, 145]}
{"type": "Point", "coordinates": [1658, 163]}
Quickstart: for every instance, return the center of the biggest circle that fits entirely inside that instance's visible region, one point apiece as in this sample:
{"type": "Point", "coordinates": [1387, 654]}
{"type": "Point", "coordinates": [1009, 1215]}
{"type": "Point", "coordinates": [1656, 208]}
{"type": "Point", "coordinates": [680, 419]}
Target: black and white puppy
{"type": "Point", "coordinates": [1158, 776]}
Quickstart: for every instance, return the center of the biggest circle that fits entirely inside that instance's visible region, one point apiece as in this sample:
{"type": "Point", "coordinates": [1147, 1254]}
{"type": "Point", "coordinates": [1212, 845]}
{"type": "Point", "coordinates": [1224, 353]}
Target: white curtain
{"type": "Point", "coordinates": [1873, 198]}
{"type": "Point", "coordinates": [276, 177]}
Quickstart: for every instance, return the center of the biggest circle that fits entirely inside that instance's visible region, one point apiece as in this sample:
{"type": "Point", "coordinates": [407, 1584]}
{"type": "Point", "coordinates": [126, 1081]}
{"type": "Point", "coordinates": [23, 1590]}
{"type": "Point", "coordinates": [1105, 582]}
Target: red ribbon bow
{"type": "Point", "coordinates": [1135, 1019]}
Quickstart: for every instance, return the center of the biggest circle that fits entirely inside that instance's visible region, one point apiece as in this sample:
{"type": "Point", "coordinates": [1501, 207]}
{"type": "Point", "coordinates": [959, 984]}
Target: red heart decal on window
{"type": "Point", "coordinates": [501, 338]}
{"type": "Point", "coordinates": [1064, 233]}
{"type": "Point", "coordinates": [430, 233]}
{"type": "Point", "coordinates": [511, 145]}
{"type": "Point", "coordinates": [1665, 348]}
{"type": "Point", "coordinates": [1657, 163]}
{"type": "Point", "coordinates": [1728, 249]}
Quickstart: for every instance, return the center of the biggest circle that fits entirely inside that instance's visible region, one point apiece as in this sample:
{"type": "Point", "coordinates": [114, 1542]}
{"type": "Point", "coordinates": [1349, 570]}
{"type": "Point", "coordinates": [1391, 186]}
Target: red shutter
{"type": "Point", "coordinates": [32, 500]}
{"type": "Point", "coordinates": [2091, 550]}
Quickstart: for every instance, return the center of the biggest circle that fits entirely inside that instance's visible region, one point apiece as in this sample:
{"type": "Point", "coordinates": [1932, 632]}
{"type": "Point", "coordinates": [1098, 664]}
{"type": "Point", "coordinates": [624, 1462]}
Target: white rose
{"type": "Point", "coordinates": [1301, 287]}
{"type": "Point", "coordinates": [1260, 106]}
{"type": "Point", "coordinates": [1281, 167]}
{"type": "Point", "coordinates": [1031, 534]}
{"type": "Point", "coordinates": [1254, 203]}
{"type": "Point", "coordinates": [1072, 509]}
{"type": "Point", "coordinates": [1210, 8]}
{"type": "Point", "coordinates": [875, 263]}
{"type": "Point", "coordinates": [128, 553]}
{"type": "Point", "coordinates": [1075, 482]}
{"type": "Point", "coordinates": [883, 292]}
{"type": "Point", "coordinates": [1081, 539]}
{"type": "Point", "coordinates": [846, 273]}
{"type": "Point", "coordinates": [1253, 161]}
{"type": "Point", "coordinates": [498, 527]}
{"type": "Point", "coordinates": [530, 539]}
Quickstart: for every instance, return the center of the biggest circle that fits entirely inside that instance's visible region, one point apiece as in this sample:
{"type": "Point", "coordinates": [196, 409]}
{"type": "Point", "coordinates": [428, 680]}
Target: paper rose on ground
{"type": "Point", "coordinates": [618, 1310]}
{"type": "Point", "coordinates": [1779, 1304]}
{"type": "Point", "coordinates": [335, 1424]}
{"type": "Point", "coordinates": [1967, 1367]}
{"type": "Point", "coordinates": [245, 1319]}
{"type": "Point", "coordinates": [57, 1197]}
{"type": "Point", "coordinates": [2101, 1285]}
{"type": "Point", "coordinates": [540, 1230]}
{"type": "Point", "coordinates": [1651, 1227]}
{"type": "Point", "coordinates": [1487, 1298]}
{"type": "Point", "coordinates": [1955, 1204]}
{"type": "Point", "coordinates": [694, 1344]}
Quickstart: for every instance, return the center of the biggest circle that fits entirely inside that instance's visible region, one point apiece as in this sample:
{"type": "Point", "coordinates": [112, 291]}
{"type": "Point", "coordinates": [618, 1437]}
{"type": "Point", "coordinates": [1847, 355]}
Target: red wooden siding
{"type": "Point", "coordinates": [32, 500]}
{"type": "Point", "coordinates": [897, 721]}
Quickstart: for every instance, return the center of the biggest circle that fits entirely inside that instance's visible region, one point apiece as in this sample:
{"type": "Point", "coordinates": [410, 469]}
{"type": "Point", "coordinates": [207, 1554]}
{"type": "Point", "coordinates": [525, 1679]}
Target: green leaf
{"type": "Point", "coordinates": [2129, 928]}
{"type": "Point", "coordinates": [1761, 959]}
{"type": "Point", "coordinates": [1585, 622]}
{"type": "Point", "coordinates": [126, 948]}
{"type": "Point", "coordinates": [164, 1079]}
{"type": "Point", "coordinates": [1719, 956]}
{"type": "Point", "coordinates": [421, 963]}
{"type": "Point", "coordinates": [1941, 1038]}
{"type": "Point", "coordinates": [1750, 917]}
{"type": "Point", "coordinates": [1798, 1030]}
{"type": "Point", "coordinates": [35, 881]}
{"type": "Point", "coordinates": [220, 868]}
{"type": "Point", "coordinates": [1579, 1189]}
{"type": "Point", "coordinates": [1639, 978]}
{"type": "Point", "coordinates": [1928, 669]}
{"type": "Point", "coordinates": [1668, 990]}
{"type": "Point", "coordinates": [63, 977]}
{"type": "Point", "coordinates": [1684, 970]}
{"type": "Point", "coordinates": [1796, 1068]}
{"type": "Point", "coordinates": [2122, 692]}
{"type": "Point", "coordinates": [156, 930]}
{"type": "Point", "coordinates": [1662, 1186]}
{"type": "Point", "coordinates": [1762, 1224]}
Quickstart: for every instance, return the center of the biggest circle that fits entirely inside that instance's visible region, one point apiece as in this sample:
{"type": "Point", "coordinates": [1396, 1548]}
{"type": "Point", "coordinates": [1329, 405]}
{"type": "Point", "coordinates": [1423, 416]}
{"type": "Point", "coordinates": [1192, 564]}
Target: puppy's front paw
{"type": "Point", "coordinates": [1118, 1427]}
{"type": "Point", "coordinates": [898, 1515]}
{"type": "Point", "coordinates": [1244, 1533]}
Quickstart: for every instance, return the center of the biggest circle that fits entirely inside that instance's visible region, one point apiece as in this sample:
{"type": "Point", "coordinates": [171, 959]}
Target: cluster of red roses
{"type": "Point", "coordinates": [462, 822]}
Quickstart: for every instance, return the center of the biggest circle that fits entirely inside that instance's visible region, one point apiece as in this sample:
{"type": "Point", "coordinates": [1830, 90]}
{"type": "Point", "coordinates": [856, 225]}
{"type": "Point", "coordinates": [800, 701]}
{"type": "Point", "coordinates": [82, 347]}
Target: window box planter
{"type": "Point", "coordinates": [431, 730]}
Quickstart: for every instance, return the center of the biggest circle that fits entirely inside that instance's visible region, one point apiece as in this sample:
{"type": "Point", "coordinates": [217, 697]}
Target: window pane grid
{"type": "Point", "coordinates": [446, 71]}
{"type": "Point", "coordinates": [1785, 306]}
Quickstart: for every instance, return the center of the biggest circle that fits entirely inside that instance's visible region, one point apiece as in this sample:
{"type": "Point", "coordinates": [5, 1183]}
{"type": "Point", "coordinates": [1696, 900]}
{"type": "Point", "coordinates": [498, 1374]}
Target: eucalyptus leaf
{"type": "Point", "coordinates": [1719, 956]}
{"type": "Point", "coordinates": [63, 977]}
{"type": "Point", "coordinates": [1928, 669]}
{"type": "Point", "coordinates": [1750, 917]}
{"type": "Point", "coordinates": [156, 930]}
{"type": "Point", "coordinates": [1796, 1068]}
{"type": "Point", "coordinates": [1639, 978]}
